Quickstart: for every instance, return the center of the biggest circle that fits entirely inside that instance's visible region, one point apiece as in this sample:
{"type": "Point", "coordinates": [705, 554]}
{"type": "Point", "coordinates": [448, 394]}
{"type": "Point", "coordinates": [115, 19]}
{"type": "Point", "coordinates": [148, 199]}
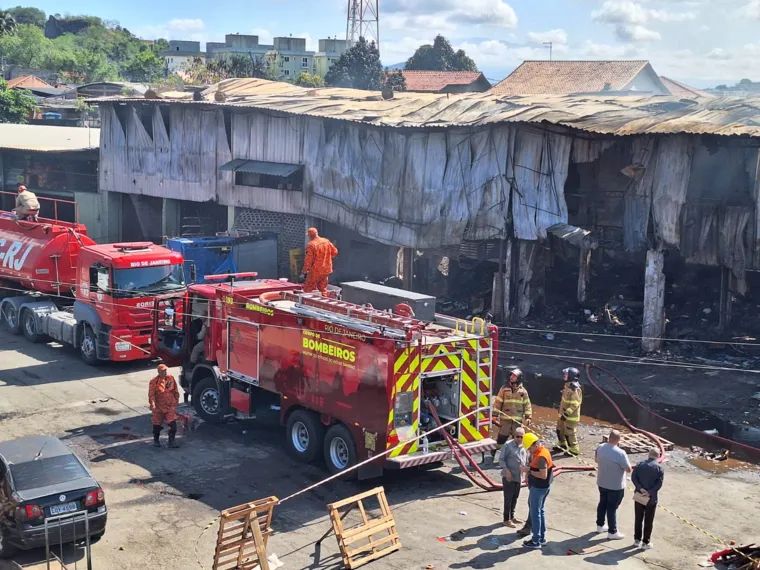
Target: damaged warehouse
{"type": "Point", "coordinates": [519, 187]}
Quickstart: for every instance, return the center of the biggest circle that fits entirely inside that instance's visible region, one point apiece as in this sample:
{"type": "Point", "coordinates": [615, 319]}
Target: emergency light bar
{"type": "Point", "coordinates": [231, 276]}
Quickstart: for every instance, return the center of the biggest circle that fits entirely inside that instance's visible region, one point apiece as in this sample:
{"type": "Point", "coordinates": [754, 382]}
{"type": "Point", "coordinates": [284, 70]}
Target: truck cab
{"type": "Point", "coordinates": [118, 287]}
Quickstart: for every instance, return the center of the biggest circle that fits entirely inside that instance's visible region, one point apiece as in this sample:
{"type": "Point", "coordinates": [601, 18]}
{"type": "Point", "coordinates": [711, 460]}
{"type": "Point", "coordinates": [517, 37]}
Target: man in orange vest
{"type": "Point", "coordinates": [163, 399]}
{"type": "Point", "coordinates": [539, 472]}
{"type": "Point", "coordinates": [318, 262]}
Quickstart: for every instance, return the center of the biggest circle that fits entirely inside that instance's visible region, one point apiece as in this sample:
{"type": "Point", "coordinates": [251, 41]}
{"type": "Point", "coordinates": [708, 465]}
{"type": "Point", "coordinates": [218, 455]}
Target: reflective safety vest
{"type": "Point", "coordinates": [534, 481]}
{"type": "Point", "coordinates": [515, 404]}
{"type": "Point", "coordinates": [570, 406]}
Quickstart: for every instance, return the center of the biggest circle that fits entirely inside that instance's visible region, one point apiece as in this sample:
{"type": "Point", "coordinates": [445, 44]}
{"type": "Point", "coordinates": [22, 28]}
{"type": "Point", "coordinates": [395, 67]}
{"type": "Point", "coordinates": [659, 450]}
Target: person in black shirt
{"type": "Point", "coordinates": [647, 478]}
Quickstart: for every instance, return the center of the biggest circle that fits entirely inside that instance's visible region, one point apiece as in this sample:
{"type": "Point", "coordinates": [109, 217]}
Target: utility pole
{"type": "Point", "coordinates": [550, 46]}
{"type": "Point", "coordinates": [363, 21]}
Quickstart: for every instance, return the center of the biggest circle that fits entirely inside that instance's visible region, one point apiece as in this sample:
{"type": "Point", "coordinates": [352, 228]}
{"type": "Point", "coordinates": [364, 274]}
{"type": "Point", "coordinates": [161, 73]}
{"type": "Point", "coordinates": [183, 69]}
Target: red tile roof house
{"type": "Point", "coordinates": [446, 81]}
{"type": "Point", "coordinates": [582, 77]}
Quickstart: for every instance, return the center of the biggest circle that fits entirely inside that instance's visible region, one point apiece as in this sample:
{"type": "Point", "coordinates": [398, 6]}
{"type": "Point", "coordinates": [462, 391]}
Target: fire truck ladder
{"type": "Point", "coordinates": [484, 367]}
{"type": "Point", "coordinates": [362, 317]}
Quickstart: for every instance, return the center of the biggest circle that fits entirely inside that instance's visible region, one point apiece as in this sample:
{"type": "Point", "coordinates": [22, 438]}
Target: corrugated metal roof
{"type": "Point", "coordinates": [261, 167]}
{"type": "Point", "coordinates": [434, 81]}
{"type": "Point", "coordinates": [565, 77]}
{"type": "Point", "coordinates": [43, 138]}
{"type": "Point", "coordinates": [624, 115]}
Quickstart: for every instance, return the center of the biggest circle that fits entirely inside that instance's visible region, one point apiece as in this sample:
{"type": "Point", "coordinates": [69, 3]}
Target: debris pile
{"type": "Point", "coordinates": [739, 557]}
{"type": "Point", "coordinates": [697, 451]}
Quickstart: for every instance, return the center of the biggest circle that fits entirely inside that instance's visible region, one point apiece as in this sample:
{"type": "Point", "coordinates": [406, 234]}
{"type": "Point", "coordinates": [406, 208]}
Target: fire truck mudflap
{"type": "Point", "coordinates": [456, 377]}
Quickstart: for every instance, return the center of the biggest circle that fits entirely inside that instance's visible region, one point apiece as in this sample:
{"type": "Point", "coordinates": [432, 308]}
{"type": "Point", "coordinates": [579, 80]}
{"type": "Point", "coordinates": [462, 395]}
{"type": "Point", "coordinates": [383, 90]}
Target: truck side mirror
{"type": "Point", "coordinates": [193, 272]}
{"type": "Point", "coordinates": [93, 277]}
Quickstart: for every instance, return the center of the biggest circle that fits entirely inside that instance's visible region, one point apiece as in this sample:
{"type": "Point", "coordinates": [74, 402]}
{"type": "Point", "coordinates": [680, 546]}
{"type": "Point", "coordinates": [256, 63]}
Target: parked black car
{"type": "Point", "coordinates": [41, 479]}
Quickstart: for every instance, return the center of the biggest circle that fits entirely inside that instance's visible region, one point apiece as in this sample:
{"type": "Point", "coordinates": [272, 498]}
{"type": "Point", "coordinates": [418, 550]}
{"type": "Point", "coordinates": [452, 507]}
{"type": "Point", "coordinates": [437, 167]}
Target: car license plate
{"type": "Point", "coordinates": [122, 346]}
{"type": "Point", "coordinates": [63, 509]}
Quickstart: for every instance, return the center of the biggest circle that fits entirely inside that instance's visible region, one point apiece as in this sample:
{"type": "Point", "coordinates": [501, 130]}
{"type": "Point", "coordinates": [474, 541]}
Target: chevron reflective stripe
{"type": "Point", "coordinates": [406, 375]}
{"type": "Point", "coordinates": [475, 375]}
{"type": "Point", "coordinates": [444, 357]}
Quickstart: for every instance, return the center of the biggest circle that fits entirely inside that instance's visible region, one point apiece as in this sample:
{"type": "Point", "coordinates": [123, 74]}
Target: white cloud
{"type": "Point", "coordinates": [750, 10]}
{"type": "Point", "coordinates": [636, 33]}
{"type": "Point", "coordinates": [265, 36]}
{"type": "Point", "coordinates": [190, 29]}
{"type": "Point", "coordinates": [631, 19]}
{"type": "Point", "coordinates": [186, 25]}
{"type": "Point", "coordinates": [719, 54]}
{"type": "Point", "coordinates": [441, 16]}
{"type": "Point", "coordinates": [557, 37]}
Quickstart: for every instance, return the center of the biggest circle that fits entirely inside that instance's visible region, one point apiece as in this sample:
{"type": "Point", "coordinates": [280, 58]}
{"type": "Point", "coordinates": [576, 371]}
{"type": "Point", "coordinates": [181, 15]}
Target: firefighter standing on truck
{"type": "Point", "coordinates": [317, 265]}
{"type": "Point", "coordinates": [569, 413]}
{"type": "Point", "coordinates": [27, 205]}
{"type": "Point", "coordinates": [163, 398]}
{"type": "Point", "coordinates": [511, 408]}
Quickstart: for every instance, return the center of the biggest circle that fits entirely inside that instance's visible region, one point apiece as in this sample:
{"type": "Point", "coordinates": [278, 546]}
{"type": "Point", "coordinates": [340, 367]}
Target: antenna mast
{"type": "Point", "coordinates": [363, 21]}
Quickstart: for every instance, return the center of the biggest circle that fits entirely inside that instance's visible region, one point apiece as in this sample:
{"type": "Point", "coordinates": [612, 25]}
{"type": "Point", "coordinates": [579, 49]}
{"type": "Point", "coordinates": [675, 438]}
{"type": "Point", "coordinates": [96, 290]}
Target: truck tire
{"type": "Point", "coordinates": [340, 450]}
{"type": "Point", "coordinates": [304, 435]}
{"type": "Point", "coordinates": [10, 318]}
{"type": "Point", "coordinates": [88, 347]}
{"type": "Point", "coordinates": [29, 326]}
{"type": "Point", "coordinates": [207, 401]}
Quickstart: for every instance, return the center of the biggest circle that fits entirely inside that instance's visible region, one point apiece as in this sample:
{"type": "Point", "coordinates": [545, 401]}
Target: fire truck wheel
{"type": "Point", "coordinates": [304, 435]}
{"type": "Point", "coordinates": [206, 400]}
{"type": "Point", "coordinates": [29, 325]}
{"type": "Point", "coordinates": [88, 346]}
{"type": "Point", "coordinates": [339, 449]}
{"type": "Point", "coordinates": [10, 318]}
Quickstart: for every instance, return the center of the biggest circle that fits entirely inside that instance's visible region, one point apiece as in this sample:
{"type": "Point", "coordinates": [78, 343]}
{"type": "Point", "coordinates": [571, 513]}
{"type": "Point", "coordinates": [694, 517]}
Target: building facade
{"type": "Point", "coordinates": [180, 54]}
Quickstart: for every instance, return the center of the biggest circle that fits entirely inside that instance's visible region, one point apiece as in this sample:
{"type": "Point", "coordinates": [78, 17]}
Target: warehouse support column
{"type": "Point", "coordinates": [530, 277]}
{"type": "Point", "coordinates": [171, 224]}
{"type": "Point", "coordinates": [407, 268]}
{"type": "Point", "coordinates": [230, 218]}
{"type": "Point", "coordinates": [726, 298]}
{"type": "Point", "coordinates": [501, 298]}
{"type": "Point", "coordinates": [584, 273]}
{"type": "Point", "coordinates": [654, 301]}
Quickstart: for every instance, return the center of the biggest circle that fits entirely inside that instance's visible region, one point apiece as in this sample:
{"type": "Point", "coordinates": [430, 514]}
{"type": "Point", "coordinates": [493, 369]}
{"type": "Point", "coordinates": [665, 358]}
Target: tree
{"type": "Point", "coordinates": [358, 67]}
{"type": "Point", "coordinates": [15, 104]}
{"type": "Point", "coordinates": [7, 23]}
{"type": "Point", "coordinates": [26, 48]}
{"type": "Point", "coordinates": [306, 79]}
{"type": "Point", "coordinates": [395, 80]}
{"type": "Point", "coordinates": [28, 15]}
{"type": "Point", "coordinates": [143, 67]}
{"type": "Point", "coordinates": [440, 57]}
{"type": "Point", "coordinates": [200, 72]}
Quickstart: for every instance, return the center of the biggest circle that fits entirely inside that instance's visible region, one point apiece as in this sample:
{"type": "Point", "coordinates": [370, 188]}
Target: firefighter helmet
{"type": "Point", "coordinates": [572, 374]}
{"type": "Point", "coordinates": [517, 373]}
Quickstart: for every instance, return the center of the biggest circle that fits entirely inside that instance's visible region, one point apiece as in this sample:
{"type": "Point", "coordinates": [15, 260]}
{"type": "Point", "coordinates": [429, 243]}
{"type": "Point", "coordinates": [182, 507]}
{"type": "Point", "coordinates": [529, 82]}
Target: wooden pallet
{"type": "Point", "coordinates": [243, 534]}
{"type": "Point", "coordinates": [369, 547]}
{"type": "Point", "coordinates": [639, 443]}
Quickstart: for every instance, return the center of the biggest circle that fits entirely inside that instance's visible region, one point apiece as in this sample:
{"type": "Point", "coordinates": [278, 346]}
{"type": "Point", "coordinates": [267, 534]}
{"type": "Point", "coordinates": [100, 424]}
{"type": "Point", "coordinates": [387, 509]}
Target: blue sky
{"type": "Point", "coordinates": [703, 42]}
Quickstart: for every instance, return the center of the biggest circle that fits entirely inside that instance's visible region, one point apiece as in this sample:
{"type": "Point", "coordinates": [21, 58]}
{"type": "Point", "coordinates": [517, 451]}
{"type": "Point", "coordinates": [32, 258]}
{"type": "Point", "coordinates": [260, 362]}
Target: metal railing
{"type": "Point", "coordinates": [55, 202]}
{"type": "Point", "coordinates": [63, 520]}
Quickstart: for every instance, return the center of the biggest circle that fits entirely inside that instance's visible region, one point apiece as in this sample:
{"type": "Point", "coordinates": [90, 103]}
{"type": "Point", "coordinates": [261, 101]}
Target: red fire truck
{"type": "Point", "coordinates": [348, 381]}
{"type": "Point", "coordinates": [56, 282]}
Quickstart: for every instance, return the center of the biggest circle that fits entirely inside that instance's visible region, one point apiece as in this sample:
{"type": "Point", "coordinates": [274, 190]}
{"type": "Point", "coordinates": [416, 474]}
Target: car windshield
{"type": "Point", "coordinates": [46, 471]}
{"type": "Point", "coordinates": [131, 282]}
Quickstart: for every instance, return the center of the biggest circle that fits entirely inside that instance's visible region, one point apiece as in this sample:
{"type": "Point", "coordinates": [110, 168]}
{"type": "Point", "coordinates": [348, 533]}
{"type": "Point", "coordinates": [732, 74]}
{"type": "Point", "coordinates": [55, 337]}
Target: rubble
{"type": "Point", "coordinates": [697, 451]}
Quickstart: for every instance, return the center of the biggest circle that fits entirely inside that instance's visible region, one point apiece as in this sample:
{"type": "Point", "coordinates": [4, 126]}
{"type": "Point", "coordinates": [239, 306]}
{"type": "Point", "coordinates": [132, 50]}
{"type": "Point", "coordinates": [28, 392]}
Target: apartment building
{"type": "Point", "coordinates": [330, 50]}
{"type": "Point", "coordinates": [179, 54]}
{"type": "Point", "coordinates": [287, 55]}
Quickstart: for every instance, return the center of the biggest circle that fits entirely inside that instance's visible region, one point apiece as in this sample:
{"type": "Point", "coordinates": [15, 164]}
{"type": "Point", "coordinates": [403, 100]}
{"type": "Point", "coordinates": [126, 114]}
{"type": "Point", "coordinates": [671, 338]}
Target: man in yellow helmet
{"type": "Point", "coordinates": [569, 413]}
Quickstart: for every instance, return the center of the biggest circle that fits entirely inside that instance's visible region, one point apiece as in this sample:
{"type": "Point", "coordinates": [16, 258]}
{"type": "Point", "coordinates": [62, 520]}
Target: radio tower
{"type": "Point", "coordinates": [363, 21]}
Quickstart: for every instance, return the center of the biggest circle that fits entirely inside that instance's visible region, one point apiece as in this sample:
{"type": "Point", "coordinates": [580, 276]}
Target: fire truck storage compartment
{"type": "Point", "coordinates": [386, 298]}
{"type": "Point", "coordinates": [443, 391]}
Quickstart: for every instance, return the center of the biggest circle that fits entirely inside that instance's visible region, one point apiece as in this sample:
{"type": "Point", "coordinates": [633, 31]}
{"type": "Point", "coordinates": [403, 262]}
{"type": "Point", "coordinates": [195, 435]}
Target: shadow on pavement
{"type": "Point", "coordinates": [227, 465]}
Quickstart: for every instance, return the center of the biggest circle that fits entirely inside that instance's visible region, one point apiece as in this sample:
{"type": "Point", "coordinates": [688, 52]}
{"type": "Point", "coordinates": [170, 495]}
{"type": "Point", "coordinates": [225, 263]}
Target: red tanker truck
{"type": "Point", "coordinates": [349, 381]}
{"type": "Point", "coordinates": [57, 283]}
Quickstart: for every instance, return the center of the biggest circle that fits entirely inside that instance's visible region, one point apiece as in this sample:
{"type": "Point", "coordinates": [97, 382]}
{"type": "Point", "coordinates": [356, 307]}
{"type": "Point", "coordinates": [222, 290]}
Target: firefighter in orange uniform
{"type": "Point", "coordinates": [318, 263]}
{"type": "Point", "coordinates": [163, 398]}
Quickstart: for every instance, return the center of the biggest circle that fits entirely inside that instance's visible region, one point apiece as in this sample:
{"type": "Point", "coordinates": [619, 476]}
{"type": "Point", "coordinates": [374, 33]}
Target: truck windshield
{"type": "Point", "coordinates": [146, 280]}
